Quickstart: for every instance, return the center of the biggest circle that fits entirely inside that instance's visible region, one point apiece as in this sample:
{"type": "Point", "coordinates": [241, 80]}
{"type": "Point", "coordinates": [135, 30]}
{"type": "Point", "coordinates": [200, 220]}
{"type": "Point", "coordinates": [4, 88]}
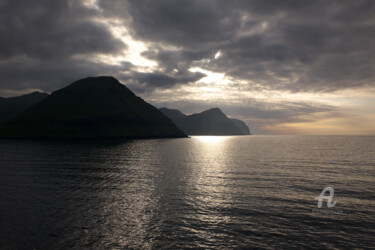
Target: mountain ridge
{"type": "Point", "coordinates": [209, 122]}
{"type": "Point", "coordinates": [93, 107]}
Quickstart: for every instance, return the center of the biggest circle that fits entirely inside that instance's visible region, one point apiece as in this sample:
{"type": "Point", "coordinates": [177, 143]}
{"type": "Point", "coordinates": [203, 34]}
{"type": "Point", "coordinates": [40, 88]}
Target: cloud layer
{"type": "Point", "coordinates": [315, 46]}
{"type": "Point", "coordinates": [231, 48]}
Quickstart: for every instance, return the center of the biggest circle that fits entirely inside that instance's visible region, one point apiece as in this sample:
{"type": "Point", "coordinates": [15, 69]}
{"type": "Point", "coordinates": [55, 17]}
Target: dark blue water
{"type": "Point", "coordinates": [202, 192]}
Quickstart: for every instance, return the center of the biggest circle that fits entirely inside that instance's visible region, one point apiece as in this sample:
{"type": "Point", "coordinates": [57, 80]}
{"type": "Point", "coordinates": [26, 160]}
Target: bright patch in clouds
{"type": "Point", "coordinates": [134, 50]}
{"type": "Point", "coordinates": [218, 54]}
{"type": "Point", "coordinates": [91, 4]}
{"type": "Point", "coordinates": [211, 77]}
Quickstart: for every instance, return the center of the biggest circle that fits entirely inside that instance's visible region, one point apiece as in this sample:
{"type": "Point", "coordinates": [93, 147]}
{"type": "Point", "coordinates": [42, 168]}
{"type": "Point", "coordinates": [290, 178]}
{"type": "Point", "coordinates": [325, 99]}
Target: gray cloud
{"type": "Point", "coordinates": [315, 46]}
{"type": "Point", "coordinates": [291, 45]}
{"type": "Point", "coordinates": [165, 81]}
{"type": "Point", "coordinates": [184, 22]}
{"type": "Point", "coordinates": [52, 29]}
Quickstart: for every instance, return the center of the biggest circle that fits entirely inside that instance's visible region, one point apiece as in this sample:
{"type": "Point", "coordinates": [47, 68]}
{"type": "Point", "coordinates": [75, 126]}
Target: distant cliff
{"type": "Point", "coordinates": [209, 122]}
{"type": "Point", "coordinates": [242, 125]}
{"type": "Point", "coordinates": [94, 107]}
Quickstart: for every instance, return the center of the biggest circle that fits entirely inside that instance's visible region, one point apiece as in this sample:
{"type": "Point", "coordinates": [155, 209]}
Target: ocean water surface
{"type": "Point", "coordinates": [199, 192]}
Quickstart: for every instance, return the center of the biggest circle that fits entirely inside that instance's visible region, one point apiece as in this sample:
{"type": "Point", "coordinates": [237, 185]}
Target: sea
{"type": "Point", "coordinates": [203, 192]}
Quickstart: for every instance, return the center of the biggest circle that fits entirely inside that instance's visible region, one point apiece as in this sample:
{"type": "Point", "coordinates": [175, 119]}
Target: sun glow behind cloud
{"type": "Point", "coordinates": [132, 54]}
{"type": "Point", "coordinates": [91, 4]}
{"type": "Point", "coordinates": [211, 77]}
{"type": "Point", "coordinates": [347, 125]}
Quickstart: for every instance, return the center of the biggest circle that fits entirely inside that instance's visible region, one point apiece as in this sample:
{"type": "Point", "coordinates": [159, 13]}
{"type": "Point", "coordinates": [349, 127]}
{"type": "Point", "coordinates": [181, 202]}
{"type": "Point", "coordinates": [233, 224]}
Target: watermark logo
{"type": "Point", "coordinates": [329, 198]}
{"type": "Point", "coordinates": [327, 195]}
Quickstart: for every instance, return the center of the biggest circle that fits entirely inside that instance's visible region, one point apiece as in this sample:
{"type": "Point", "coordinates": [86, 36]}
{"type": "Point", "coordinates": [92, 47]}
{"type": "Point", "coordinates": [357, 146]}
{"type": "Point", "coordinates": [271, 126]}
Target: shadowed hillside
{"type": "Point", "coordinates": [95, 107]}
{"type": "Point", "coordinates": [14, 106]}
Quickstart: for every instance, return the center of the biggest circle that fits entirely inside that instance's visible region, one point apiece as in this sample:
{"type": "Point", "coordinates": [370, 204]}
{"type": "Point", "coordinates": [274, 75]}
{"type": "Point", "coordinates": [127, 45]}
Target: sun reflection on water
{"type": "Point", "coordinates": [211, 190]}
{"type": "Point", "coordinates": [211, 139]}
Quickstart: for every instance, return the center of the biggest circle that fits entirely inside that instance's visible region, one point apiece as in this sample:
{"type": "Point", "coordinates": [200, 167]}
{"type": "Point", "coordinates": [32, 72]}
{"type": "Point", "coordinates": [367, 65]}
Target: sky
{"type": "Point", "coordinates": [283, 67]}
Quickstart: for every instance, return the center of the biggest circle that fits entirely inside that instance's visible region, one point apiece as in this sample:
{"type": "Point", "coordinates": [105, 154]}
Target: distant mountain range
{"type": "Point", "coordinates": [14, 106]}
{"type": "Point", "coordinates": [209, 122]}
{"type": "Point", "coordinates": [102, 107]}
{"type": "Point", "coordinates": [95, 107]}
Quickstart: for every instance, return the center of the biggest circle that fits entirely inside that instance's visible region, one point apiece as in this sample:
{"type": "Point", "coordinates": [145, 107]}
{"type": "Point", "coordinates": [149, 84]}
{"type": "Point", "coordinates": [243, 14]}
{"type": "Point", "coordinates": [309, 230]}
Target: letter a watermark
{"type": "Point", "coordinates": [329, 197]}
{"type": "Point", "coordinates": [330, 204]}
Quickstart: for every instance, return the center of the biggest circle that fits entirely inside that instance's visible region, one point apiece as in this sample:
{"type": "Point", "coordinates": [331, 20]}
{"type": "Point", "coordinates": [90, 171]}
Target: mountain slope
{"type": "Point", "coordinates": [173, 114]}
{"type": "Point", "coordinates": [14, 106]}
{"type": "Point", "coordinates": [241, 125]}
{"type": "Point", "coordinates": [94, 107]}
{"type": "Point", "coordinates": [209, 122]}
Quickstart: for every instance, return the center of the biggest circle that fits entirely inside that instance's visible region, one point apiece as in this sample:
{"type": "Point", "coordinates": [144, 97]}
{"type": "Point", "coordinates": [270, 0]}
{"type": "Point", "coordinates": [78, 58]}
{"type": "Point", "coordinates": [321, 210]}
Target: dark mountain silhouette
{"type": "Point", "coordinates": [173, 114]}
{"type": "Point", "coordinates": [14, 106]}
{"type": "Point", "coordinates": [94, 107]}
{"type": "Point", "coordinates": [240, 124]}
{"type": "Point", "coordinates": [209, 122]}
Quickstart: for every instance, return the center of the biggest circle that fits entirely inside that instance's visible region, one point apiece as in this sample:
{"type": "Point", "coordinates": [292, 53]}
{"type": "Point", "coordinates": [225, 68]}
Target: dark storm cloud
{"type": "Point", "coordinates": [51, 29]}
{"type": "Point", "coordinates": [50, 75]}
{"type": "Point", "coordinates": [147, 83]}
{"type": "Point", "coordinates": [316, 46]}
{"type": "Point", "coordinates": [161, 80]}
{"type": "Point", "coordinates": [40, 42]}
{"type": "Point", "coordinates": [299, 46]}
{"type": "Point", "coordinates": [178, 22]}
{"type": "Point", "coordinates": [180, 60]}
